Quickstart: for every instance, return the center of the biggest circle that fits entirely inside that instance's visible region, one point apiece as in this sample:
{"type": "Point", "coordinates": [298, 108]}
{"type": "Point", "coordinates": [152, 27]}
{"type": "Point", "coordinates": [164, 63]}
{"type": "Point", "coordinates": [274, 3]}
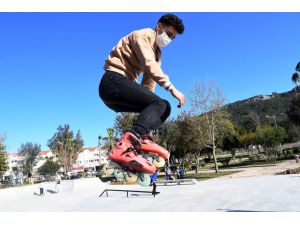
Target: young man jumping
{"type": "Point", "coordinates": [140, 52]}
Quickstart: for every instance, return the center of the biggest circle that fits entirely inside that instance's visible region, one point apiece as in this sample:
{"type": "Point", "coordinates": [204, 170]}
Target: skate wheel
{"type": "Point", "coordinates": [144, 179]}
{"type": "Point", "coordinates": [130, 178]}
{"type": "Point", "coordinates": [119, 174]}
{"type": "Point", "coordinates": [150, 159]}
{"type": "Point", "coordinates": [107, 170]}
{"type": "Point", "coordinates": [159, 162]}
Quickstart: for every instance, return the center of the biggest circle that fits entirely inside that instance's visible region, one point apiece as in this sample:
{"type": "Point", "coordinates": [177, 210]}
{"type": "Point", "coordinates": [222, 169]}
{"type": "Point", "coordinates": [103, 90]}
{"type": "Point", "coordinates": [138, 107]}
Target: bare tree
{"type": "Point", "coordinates": [212, 120]}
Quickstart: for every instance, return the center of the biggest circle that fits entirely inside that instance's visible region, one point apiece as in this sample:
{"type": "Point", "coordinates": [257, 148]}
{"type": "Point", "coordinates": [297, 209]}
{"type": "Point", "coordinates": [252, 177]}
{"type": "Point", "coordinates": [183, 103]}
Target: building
{"type": "Point", "coordinates": [42, 158]}
{"type": "Point", "coordinates": [88, 159]}
{"type": "Point", "coordinates": [91, 158]}
{"type": "Point", "coordinates": [14, 161]}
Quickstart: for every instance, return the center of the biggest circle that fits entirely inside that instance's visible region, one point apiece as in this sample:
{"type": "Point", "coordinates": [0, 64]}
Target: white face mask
{"type": "Point", "coordinates": [162, 40]}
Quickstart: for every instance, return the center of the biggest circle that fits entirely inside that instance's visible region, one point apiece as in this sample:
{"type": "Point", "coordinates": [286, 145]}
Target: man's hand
{"type": "Point", "coordinates": [178, 95]}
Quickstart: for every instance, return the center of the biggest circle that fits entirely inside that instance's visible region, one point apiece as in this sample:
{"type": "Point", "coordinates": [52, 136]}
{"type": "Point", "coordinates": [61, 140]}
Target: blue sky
{"type": "Point", "coordinates": [51, 64]}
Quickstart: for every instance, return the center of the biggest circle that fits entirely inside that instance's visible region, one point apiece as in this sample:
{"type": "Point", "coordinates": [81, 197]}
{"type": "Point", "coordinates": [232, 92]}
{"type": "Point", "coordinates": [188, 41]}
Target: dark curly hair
{"type": "Point", "coordinates": [172, 20]}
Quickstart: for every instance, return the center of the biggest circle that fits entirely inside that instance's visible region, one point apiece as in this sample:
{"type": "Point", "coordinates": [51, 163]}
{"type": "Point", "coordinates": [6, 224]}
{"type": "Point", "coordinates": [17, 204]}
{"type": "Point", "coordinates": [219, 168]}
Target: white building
{"type": "Point", "coordinates": [42, 158]}
{"type": "Point", "coordinates": [90, 158]}
{"type": "Point", "coordinates": [14, 161]}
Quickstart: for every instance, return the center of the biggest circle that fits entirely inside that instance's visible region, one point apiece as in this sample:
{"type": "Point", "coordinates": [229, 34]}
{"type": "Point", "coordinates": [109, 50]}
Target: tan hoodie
{"type": "Point", "coordinates": [136, 53]}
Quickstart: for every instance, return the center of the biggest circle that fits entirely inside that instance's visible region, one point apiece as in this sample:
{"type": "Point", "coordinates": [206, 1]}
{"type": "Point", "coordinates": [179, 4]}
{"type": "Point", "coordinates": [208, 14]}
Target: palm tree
{"type": "Point", "coordinates": [295, 78]}
{"type": "Point", "coordinates": [111, 138]}
{"type": "Point", "coordinates": [298, 67]}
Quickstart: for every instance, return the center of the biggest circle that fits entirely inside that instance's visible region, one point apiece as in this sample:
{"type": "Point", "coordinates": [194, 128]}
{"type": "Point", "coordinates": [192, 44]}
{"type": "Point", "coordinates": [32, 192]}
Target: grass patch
{"type": "Point", "coordinates": [203, 176]}
{"type": "Point", "coordinates": [248, 163]}
{"type": "Point", "coordinates": [254, 163]}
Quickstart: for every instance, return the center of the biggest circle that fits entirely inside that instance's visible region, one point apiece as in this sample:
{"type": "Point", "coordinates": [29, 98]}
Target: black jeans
{"type": "Point", "coordinates": [123, 95]}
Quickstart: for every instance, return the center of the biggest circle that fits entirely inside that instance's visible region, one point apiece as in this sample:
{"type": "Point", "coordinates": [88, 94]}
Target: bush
{"type": "Point", "coordinates": [187, 166]}
{"type": "Point", "coordinates": [173, 168]}
{"type": "Point", "coordinates": [262, 157]}
{"type": "Point", "coordinates": [206, 160]}
{"type": "Point", "coordinates": [49, 168]}
{"type": "Point", "coordinates": [225, 161]}
{"type": "Point", "coordinates": [202, 163]}
{"type": "Point", "coordinates": [258, 157]}
{"type": "Point", "coordinates": [234, 162]}
{"type": "Point", "coordinates": [254, 158]}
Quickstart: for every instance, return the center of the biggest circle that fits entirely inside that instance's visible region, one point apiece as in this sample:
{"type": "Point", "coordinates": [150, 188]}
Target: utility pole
{"type": "Point", "coordinates": [274, 117]}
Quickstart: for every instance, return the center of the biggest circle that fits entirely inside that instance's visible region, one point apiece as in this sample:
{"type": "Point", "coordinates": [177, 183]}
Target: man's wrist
{"type": "Point", "coordinates": [170, 88]}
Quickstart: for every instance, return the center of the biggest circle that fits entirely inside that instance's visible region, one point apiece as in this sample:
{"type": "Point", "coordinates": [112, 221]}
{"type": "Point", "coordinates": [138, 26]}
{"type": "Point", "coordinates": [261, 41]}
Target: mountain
{"type": "Point", "coordinates": [256, 109]}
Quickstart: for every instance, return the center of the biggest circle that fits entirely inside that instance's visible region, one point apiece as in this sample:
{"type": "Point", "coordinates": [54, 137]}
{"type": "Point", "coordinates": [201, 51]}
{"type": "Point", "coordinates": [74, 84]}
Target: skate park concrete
{"type": "Point", "coordinates": [251, 194]}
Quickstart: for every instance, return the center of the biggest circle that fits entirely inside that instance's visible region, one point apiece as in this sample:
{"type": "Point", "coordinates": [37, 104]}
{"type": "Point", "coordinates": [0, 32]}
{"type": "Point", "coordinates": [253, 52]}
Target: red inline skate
{"type": "Point", "coordinates": [127, 163]}
{"type": "Point", "coordinates": [152, 151]}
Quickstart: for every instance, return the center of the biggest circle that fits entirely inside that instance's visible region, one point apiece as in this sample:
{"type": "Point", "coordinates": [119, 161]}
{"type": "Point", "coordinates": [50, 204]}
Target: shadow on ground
{"type": "Point", "coordinates": [241, 210]}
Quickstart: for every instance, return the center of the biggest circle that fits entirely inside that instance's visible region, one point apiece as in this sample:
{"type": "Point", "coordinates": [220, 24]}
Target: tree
{"type": "Point", "coordinates": [298, 67]}
{"type": "Point", "coordinates": [66, 146]}
{"type": "Point", "coordinates": [294, 110]}
{"type": "Point", "coordinates": [111, 137]}
{"type": "Point", "coordinates": [30, 152]}
{"type": "Point", "coordinates": [3, 156]}
{"type": "Point", "coordinates": [247, 139]}
{"type": "Point", "coordinates": [109, 140]}
{"type": "Point", "coordinates": [187, 142]}
{"type": "Point", "coordinates": [123, 122]}
{"type": "Point", "coordinates": [208, 101]}
{"type": "Point", "coordinates": [49, 168]}
{"type": "Point", "coordinates": [230, 140]}
{"type": "Point", "coordinates": [293, 133]}
{"type": "Point", "coordinates": [295, 78]}
{"type": "Point", "coordinates": [250, 121]}
{"type": "Point", "coordinates": [269, 137]}
{"type": "Point", "coordinates": [167, 137]}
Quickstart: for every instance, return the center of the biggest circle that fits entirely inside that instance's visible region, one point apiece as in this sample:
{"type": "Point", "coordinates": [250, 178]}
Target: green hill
{"type": "Point", "coordinates": [253, 111]}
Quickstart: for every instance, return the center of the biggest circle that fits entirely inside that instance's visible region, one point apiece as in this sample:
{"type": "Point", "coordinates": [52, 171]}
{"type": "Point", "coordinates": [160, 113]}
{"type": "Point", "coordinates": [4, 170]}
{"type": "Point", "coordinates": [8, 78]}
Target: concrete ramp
{"type": "Point", "coordinates": [79, 185]}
